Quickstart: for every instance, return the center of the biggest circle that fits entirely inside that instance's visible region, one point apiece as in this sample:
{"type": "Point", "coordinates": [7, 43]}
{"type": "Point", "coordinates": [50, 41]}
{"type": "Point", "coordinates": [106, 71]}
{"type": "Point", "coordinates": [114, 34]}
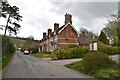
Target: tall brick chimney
{"type": "Point", "coordinates": [68, 18]}
{"type": "Point", "coordinates": [56, 27]}
{"type": "Point", "coordinates": [44, 35]}
{"type": "Point", "coordinates": [49, 32]}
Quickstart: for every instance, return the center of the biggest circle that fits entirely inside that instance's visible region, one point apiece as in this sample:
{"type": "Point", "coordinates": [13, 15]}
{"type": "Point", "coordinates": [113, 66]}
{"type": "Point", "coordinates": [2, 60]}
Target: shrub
{"type": "Point", "coordinates": [48, 52]}
{"type": "Point", "coordinates": [109, 50]}
{"type": "Point", "coordinates": [96, 60]}
{"type": "Point", "coordinates": [57, 54]}
{"type": "Point", "coordinates": [35, 50]}
{"type": "Point", "coordinates": [69, 53]}
{"type": "Point", "coordinates": [73, 46]}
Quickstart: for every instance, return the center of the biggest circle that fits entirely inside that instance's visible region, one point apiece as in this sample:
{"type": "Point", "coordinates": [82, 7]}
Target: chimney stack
{"type": "Point", "coordinates": [44, 35]}
{"type": "Point", "coordinates": [68, 18]}
{"type": "Point", "coordinates": [49, 32]}
{"type": "Point", "coordinates": [56, 27]}
{"type": "Point", "coordinates": [83, 33]}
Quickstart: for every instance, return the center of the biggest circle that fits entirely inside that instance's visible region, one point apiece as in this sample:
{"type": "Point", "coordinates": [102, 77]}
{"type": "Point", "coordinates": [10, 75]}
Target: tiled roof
{"type": "Point", "coordinates": [83, 39]}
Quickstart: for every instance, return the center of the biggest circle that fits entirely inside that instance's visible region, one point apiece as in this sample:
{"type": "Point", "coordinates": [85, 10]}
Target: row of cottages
{"type": "Point", "coordinates": [61, 37]}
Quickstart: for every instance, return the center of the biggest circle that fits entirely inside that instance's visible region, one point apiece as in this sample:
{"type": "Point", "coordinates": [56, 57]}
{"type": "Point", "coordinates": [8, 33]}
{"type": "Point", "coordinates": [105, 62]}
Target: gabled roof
{"type": "Point", "coordinates": [66, 26]}
{"type": "Point", "coordinates": [60, 29]}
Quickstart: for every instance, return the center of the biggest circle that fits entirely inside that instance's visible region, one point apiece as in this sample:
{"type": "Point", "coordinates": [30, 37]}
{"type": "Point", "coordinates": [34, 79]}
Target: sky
{"type": "Point", "coordinates": [39, 15]}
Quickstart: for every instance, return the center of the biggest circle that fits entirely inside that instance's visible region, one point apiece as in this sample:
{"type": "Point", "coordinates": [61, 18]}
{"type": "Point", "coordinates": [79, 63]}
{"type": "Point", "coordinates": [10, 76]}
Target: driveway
{"type": "Point", "coordinates": [62, 62]}
{"type": "Point", "coordinates": [67, 61]}
{"type": "Point", "coordinates": [26, 66]}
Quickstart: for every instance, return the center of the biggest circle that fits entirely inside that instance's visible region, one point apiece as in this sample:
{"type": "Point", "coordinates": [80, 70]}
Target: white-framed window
{"type": "Point", "coordinates": [95, 46]}
{"type": "Point", "coordinates": [90, 46]}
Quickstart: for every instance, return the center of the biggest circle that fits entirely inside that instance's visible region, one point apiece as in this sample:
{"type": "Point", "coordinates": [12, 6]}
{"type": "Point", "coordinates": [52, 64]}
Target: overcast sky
{"type": "Point", "coordinates": [39, 15]}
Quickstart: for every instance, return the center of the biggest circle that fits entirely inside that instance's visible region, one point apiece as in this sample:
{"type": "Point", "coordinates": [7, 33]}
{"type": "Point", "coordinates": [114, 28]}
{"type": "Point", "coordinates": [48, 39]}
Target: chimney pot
{"type": "Point", "coordinates": [44, 35]}
{"type": "Point", "coordinates": [56, 26]}
{"type": "Point", "coordinates": [68, 18]}
{"type": "Point", "coordinates": [49, 32]}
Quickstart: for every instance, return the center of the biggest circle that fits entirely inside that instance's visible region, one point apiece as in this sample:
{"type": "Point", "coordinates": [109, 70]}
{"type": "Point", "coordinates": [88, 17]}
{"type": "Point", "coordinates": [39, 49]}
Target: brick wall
{"type": "Point", "coordinates": [67, 37]}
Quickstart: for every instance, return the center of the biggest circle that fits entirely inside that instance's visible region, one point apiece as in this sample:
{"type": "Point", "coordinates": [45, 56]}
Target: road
{"type": "Point", "coordinates": [26, 66]}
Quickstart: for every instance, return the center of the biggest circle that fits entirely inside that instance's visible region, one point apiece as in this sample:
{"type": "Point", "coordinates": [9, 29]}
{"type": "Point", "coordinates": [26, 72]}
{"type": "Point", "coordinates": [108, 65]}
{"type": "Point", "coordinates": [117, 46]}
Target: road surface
{"type": "Point", "coordinates": [26, 66]}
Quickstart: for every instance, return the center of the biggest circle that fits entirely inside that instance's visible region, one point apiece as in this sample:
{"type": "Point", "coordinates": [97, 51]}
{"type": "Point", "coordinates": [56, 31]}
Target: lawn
{"type": "Point", "coordinates": [41, 55]}
{"type": "Point", "coordinates": [99, 73]}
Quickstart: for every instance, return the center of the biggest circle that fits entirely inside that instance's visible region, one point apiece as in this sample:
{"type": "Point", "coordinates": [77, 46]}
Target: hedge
{"type": "Point", "coordinates": [109, 50]}
{"type": "Point", "coordinates": [7, 46]}
{"type": "Point", "coordinates": [69, 53]}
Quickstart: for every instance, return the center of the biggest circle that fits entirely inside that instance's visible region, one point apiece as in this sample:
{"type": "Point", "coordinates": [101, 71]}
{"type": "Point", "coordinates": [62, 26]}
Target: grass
{"type": "Point", "coordinates": [41, 55]}
{"type": "Point", "coordinates": [77, 66]}
{"type": "Point", "coordinates": [97, 73]}
{"type": "Point", "coordinates": [6, 60]}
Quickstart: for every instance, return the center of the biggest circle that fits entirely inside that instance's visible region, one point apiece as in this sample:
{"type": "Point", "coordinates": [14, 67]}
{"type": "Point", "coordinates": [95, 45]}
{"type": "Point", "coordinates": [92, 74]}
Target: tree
{"type": "Point", "coordinates": [89, 34]}
{"type": "Point", "coordinates": [118, 30]}
{"type": "Point", "coordinates": [112, 29]}
{"type": "Point", "coordinates": [31, 45]}
{"type": "Point", "coordinates": [31, 37]}
{"type": "Point", "coordinates": [13, 17]}
{"type": "Point", "coordinates": [103, 38]}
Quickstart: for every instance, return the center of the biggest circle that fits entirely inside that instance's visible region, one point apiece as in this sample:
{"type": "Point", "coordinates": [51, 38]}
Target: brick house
{"type": "Point", "coordinates": [61, 37]}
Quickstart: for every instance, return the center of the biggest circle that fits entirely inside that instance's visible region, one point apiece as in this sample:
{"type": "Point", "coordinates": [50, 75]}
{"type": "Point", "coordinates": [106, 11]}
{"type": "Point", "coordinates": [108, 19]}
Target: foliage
{"type": "Point", "coordinates": [96, 60]}
{"type": "Point", "coordinates": [18, 43]}
{"type": "Point", "coordinates": [109, 50]}
{"type": "Point", "coordinates": [31, 45]}
{"type": "Point", "coordinates": [35, 49]}
{"type": "Point", "coordinates": [48, 52]}
{"type": "Point", "coordinates": [112, 29]}
{"type": "Point", "coordinates": [103, 38]}
{"type": "Point", "coordinates": [73, 46]}
{"type": "Point", "coordinates": [41, 55]}
{"type": "Point", "coordinates": [68, 53]}
{"type": "Point", "coordinates": [6, 60]}
{"type": "Point", "coordinates": [13, 17]}
{"type": "Point", "coordinates": [97, 73]}
{"type": "Point", "coordinates": [88, 33]}
{"type": "Point", "coordinates": [7, 46]}
{"type": "Point", "coordinates": [57, 54]}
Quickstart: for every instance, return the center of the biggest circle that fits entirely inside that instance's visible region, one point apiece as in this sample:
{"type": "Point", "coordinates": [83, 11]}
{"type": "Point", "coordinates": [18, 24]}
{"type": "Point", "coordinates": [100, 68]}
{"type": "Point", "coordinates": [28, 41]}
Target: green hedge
{"type": "Point", "coordinates": [35, 50]}
{"type": "Point", "coordinates": [48, 52]}
{"type": "Point", "coordinates": [109, 50]}
{"type": "Point", "coordinates": [68, 53]}
{"type": "Point", "coordinates": [7, 46]}
{"type": "Point", "coordinates": [73, 46]}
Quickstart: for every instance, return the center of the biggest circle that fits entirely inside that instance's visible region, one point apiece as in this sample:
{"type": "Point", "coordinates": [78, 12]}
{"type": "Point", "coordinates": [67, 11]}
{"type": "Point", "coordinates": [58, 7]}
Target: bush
{"type": "Point", "coordinates": [35, 50]}
{"type": "Point", "coordinates": [96, 60]}
{"type": "Point", "coordinates": [73, 46]}
{"type": "Point", "coordinates": [48, 52]}
{"type": "Point", "coordinates": [69, 53]}
{"type": "Point", "coordinates": [57, 54]}
{"type": "Point", "coordinates": [109, 50]}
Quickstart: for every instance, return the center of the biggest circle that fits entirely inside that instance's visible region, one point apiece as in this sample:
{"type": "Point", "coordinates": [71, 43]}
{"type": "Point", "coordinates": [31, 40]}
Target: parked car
{"type": "Point", "coordinates": [26, 52]}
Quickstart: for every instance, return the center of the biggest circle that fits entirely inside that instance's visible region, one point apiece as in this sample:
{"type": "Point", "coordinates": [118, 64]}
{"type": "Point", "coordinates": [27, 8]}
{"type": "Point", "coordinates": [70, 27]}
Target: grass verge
{"type": "Point", "coordinates": [41, 55]}
{"type": "Point", "coordinates": [6, 60]}
{"type": "Point", "coordinates": [97, 73]}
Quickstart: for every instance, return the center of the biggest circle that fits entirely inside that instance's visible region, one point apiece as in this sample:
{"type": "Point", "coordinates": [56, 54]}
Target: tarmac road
{"type": "Point", "coordinates": [26, 66]}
